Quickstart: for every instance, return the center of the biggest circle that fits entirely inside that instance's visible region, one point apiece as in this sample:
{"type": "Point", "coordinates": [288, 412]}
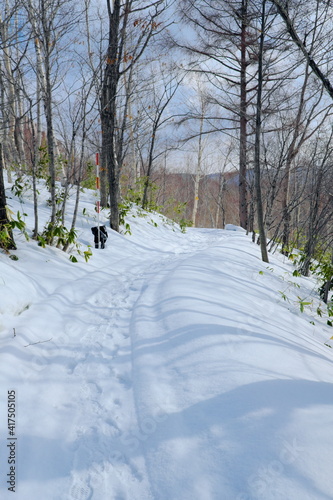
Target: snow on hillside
{"type": "Point", "coordinates": [168, 367]}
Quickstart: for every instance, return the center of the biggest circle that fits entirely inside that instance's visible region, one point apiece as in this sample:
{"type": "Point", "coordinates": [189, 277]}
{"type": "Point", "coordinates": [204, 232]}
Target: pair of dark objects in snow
{"type": "Point", "coordinates": [100, 235]}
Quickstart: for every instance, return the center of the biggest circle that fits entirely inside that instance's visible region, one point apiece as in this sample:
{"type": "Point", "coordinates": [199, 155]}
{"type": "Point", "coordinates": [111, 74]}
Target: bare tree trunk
{"type": "Point", "coordinates": [78, 185]}
{"type": "Point", "coordinates": [328, 284]}
{"type": "Point", "coordinates": [198, 172]}
{"type": "Point", "coordinates": [220, 204]}
{"type": "Point", "coordinates": [313, 233]}
{"type": "Point", "coordinates": [292, 152]}
{"type": "Point", "coordinates": [44, 77]}
{"type": "Point", "coordinates": [34, 162]}
{"type": "Point", "coordinates": [6, 242]}
{"type": "Point", "coordinates": [149, 168]}
{"type": "Point", "coordinates": [161, 103]}
{"type": "Point", "coordinates": [108, 110]}
{"type": "Point", "coordinates": [9, 107]}
{"type": "Point", "coordinates": [20, 121]}
{"type": "Point", "coordinates": [260, 216]}
{"type": "Point", "coordinates": [301, 45]}
{"type": "Point", "coordinates": [48, 109]}
{"type": "Point", "coordinates": [50, 23]}
{"type": "Point", "coordinates": [117, 64]}
{"type": "Point", "coordinates": [134, 173]}
{"type": "Point", "coordinates": [243, 215]}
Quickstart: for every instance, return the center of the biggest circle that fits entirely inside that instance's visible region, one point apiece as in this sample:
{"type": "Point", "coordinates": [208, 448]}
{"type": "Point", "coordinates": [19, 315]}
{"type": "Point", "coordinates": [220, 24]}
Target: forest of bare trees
{"type": "Point", "coordinates": [211, 111]}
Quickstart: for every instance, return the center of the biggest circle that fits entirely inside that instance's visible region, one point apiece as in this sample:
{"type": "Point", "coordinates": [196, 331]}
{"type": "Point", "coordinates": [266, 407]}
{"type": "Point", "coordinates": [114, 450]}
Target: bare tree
{"type": "Point", "coordinates": [12, 49]}
{"type": "Point", "coordinates": [224, 44]}
{"type": "Point", "coordinates": [315, 66]}
{"type": "Point", "coordinates": [257, 169]}
{"type": "Point", "coordinates": [120, 58]}
{"type": "Point", "coordinates": [320, 199]}
{"type": "Point", "coordinates": [50, 23]}
{"type": "Point", "coordinates": [160, 95]}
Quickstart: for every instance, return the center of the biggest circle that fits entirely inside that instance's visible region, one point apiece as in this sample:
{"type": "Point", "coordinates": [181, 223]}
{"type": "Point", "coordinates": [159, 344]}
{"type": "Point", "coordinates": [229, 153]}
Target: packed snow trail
{"type": "Point", "coordinates": [120, 471]}
{"type": "Point", "coordinates": [76, 339]}
{"type": "Point", "coordinates": [237, 389]}
{"type": "Point", "coordinates": [166, 368]}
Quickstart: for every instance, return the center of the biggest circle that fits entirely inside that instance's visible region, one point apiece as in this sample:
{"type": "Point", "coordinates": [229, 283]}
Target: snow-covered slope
{"type": "Point", "coordinates": [168, 367]}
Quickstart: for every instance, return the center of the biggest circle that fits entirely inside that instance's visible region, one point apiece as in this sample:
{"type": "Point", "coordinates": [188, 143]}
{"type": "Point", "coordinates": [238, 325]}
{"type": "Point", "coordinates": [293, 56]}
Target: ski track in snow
{"type": "Point", "coordinates": [104, 441]}
{"type": "Point", "coordinates": [116, 418]}
{"type": "Point", "coordinates": [107, 413]}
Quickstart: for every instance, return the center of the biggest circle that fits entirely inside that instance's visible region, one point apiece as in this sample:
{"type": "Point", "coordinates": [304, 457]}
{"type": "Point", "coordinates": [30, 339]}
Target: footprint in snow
{"type": "Point", "coordinates": [125, 381]}
{"type": "Point", "coordinates": [80, 491]}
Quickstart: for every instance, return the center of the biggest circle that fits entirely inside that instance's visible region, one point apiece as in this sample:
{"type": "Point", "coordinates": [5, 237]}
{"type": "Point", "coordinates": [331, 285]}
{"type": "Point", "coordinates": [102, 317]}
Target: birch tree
{"type": "Point", "coordinates": [10, 81]}
{"type": "Point", "coordinates": [50, 21]}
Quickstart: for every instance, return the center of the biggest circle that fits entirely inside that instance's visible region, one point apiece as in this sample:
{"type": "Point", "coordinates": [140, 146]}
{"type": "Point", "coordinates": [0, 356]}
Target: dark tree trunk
{"type": "Point", "coordinates": [48, 107]}
{"type": "Point", "coordinates": [108, 111]}
{"type": "Point", "coordinates": [313, 231]}
{"type": "Point", "coordinates": [292, 151]}
{"type": "Point", "coordinates": [260, 215]}
{"type": "Point", "coordinates": [6, 243]}
{"type": "Point", "coordinates": [243, 215]}
{"type": "Point", "coordinates": [150, 165]}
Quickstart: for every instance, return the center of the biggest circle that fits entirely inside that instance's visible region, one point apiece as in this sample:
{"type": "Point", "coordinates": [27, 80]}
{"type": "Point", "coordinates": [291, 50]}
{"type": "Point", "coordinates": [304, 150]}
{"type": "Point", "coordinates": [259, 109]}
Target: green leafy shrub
{"type": "Point", "coordinates": [20, 187]}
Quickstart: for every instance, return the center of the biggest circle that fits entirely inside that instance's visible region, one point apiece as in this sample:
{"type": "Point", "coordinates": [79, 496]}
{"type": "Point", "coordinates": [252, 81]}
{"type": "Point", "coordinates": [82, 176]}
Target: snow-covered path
{"type": "Point", "coordinates": [108, 456]}
{"type": "Point", "coordinates": [238, 390]}
{"type": "Point", "coordinates": [122, 467]}
{"type": "Point", "coordinates": [167, 368]}
{"type": "Point", "coordinates": [81, 426]}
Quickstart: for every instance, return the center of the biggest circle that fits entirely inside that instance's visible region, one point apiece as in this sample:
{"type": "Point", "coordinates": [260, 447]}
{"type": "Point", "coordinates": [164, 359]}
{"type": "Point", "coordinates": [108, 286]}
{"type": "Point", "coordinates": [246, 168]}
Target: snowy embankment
{"type": "Point", "coordinates": [167, 367]}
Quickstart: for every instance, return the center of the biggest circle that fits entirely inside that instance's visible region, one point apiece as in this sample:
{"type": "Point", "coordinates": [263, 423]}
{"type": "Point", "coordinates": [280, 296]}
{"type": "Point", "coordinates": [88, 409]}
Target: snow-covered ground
{"type": "Point", "coordinates": [168, 367]}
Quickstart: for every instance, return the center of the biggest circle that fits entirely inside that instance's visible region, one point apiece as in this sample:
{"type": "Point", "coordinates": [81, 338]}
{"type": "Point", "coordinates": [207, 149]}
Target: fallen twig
{"type": "Point", "coordinates": [39, 342]}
